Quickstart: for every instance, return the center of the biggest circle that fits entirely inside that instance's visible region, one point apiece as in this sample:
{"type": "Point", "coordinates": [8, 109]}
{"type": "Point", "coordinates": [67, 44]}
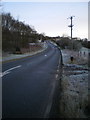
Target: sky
{"type": "Point", "coordinates": [51, 17]}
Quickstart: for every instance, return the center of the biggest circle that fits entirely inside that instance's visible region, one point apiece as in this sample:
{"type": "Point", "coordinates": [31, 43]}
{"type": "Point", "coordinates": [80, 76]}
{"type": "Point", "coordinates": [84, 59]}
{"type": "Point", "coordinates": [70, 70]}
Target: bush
{"type": "Point", "coordinates": [77, 45]}
{"type": "Point", "coordinates": [65, 42]}
{"type": "Point", "coordinates": [17, 51]}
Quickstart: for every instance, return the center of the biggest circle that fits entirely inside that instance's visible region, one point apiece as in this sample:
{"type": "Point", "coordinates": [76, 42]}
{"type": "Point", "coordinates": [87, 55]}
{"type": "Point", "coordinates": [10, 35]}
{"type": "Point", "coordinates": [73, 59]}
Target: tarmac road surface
{"type": "Point", "coordinates": [29, 84]}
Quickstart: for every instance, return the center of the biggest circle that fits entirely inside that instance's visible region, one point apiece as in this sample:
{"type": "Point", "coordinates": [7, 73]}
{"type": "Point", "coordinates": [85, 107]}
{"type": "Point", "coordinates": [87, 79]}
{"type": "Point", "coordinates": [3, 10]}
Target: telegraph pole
{"type": "Point", "coordinates": [71, 26]}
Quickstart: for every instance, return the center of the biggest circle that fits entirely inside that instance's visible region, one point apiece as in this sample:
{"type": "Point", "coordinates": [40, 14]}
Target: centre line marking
{"type": "Point", "coordinates": [45, 55]}
{"type": "Point", "coordinates": [8, 71]}
{"type": "Point", "coordinates": [12, 68]}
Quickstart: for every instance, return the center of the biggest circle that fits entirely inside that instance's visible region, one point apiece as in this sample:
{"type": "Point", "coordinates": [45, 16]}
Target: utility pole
{"type": "Point", "coordinates": [71, 26]}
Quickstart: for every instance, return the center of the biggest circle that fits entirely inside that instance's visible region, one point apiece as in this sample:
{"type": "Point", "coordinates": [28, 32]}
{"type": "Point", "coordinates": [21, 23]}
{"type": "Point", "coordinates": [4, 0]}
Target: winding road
{"type": "Point", "coordinates": [29, 85]}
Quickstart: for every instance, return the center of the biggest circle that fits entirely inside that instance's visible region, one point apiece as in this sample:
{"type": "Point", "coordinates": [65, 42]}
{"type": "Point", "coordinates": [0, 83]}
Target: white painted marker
{"type": "Point", "coordinates": [45, 55]}
{"type": "Point", "coordinates": [8, 71]}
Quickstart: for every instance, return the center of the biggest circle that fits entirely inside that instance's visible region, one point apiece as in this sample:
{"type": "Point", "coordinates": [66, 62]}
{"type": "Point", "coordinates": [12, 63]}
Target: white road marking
{"type": "Point", "coordinates": [0, 75]}
{"type": "Point", "coordinates": [8, 71]}
{"type": "Point", "coordinates": [50, 101]}
{"type": "Point", "coordinates": [45, 55]}
{"type": "Point", "coordinates": [57, 70]}
{"type": "Point", "coordinates": [12, 68]}
{"type": "Point", "coordinates": [4, 73]}
{"type": "Point", "coordinates": [56, 76]}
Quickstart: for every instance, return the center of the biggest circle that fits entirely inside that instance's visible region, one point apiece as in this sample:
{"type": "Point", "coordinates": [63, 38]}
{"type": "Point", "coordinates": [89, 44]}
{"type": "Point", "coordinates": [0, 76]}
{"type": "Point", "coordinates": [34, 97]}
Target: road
{"type": "Point", "coordinates": [29, 85]}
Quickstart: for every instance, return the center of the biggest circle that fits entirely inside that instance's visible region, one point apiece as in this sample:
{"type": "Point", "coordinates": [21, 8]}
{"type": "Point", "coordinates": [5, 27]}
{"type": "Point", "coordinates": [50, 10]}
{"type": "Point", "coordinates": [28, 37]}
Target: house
{"type": "Point", "coordinates": [84, 52]}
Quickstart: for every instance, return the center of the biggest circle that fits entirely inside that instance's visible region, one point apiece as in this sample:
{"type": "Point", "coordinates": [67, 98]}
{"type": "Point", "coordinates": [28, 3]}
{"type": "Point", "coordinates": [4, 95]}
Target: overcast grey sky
{"type": "Point", "coordinates": [51, 17]}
